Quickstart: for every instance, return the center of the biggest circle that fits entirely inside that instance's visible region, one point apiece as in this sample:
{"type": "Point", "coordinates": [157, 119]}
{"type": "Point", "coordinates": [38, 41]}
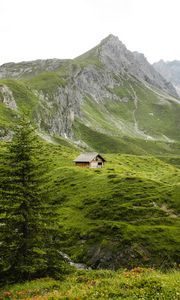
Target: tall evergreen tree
{"type": "Point", "coordinates": [29, 237]}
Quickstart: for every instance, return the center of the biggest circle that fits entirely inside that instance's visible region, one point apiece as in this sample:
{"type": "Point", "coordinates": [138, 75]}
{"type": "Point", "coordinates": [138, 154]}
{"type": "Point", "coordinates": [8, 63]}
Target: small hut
{"type": "Point", "coordinates": [90, 160]}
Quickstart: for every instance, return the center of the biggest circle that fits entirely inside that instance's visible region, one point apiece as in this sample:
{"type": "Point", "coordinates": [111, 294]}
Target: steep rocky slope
{"type": "Point", "coordinates": [171, 71]}
{"type": "Point", "coordinates": [108, 95]}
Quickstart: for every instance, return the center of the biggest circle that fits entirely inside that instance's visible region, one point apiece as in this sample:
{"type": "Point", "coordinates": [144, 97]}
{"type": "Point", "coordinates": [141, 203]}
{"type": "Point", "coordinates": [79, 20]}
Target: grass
{"type": "Point", "coordinates": [47, 82]}
{"type": "Point", "coordinates": [7, 117]}
{"type": "Point", "coordinates": [125, 215]}
{"type": "Point", "coordinates": [89, 58]}
{"type": "Point", "coordinates": [154, 113]}
{"type": "Point", "coordinates": [26, 100]}
{"type": "Point", "coordinates": [127, 212]}
{"type": "Point", "coordinates": [138, 283]}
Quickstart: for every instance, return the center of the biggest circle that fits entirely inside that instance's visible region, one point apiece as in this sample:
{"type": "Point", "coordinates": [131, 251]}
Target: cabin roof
{"type": "Point", "coordinates": [88, 157]}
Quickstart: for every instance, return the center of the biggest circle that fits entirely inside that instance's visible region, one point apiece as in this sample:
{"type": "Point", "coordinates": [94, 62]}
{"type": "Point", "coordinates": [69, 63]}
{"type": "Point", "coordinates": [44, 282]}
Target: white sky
{"type": "Point", "coordinates": [33, 29]}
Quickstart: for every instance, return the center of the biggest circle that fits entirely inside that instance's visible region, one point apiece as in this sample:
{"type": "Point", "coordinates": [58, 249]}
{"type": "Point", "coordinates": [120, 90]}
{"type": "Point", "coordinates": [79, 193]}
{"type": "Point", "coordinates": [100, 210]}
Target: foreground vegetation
{"type": "Point", "coordinates": [137, 283]}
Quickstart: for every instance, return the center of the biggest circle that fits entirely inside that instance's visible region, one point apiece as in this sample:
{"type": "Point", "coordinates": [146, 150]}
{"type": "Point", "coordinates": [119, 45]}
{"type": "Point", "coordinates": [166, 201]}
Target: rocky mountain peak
{"type": "Point", "coordinates": [111, 40]}
{"type": "Point", "coordinates": [119, 60]}
{"type": "Point", "coordinates": [114, 54]}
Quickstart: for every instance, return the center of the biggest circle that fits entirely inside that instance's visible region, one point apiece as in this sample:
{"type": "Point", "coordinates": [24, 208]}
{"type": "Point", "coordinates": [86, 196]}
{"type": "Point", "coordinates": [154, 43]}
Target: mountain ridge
{"type": "Point", "coordinates": [121, 59]}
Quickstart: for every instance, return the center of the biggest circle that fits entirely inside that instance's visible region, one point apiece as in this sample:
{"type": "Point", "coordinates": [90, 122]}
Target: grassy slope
{"type": "Point", "coordinates": [124, 215]}
{"type": "Point", "coordinates": [127, 212]}
{"type": "Point", "coordinates": [131, 204]}
{"type": "Point", "coordinates": [26, 101]}
{"type": "Point", "coordinates": [139, 283]}
{"type": "Point", "coordinates": [47, 82]}
{"type": "Point", "coordinates": [25, 98]}
{"type": "Point", "coordinates": [121, 144]}
{"type": "Point", "coordinates": [157, 115]}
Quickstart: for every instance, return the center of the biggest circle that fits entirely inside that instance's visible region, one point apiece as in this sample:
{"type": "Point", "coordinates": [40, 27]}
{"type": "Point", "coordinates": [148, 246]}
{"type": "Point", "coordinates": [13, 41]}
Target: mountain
{"type": "Point", "coordinates": [108, 99]}
{"type": "Point", "coordinates": [171, 71]}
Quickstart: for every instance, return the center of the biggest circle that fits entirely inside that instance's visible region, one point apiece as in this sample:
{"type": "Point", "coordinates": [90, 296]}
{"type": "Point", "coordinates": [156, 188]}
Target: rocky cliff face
{"type": "Point", "coordinates": [171, 71]}
{"type": "Point", "coordinates": [6, 97]}
{"type": "Point", "coordinates": [56, 112]}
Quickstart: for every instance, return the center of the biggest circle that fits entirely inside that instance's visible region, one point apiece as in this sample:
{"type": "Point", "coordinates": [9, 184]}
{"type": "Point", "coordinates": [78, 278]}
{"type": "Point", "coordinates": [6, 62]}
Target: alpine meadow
{"type": "Point", "coordinates": [90, 178]}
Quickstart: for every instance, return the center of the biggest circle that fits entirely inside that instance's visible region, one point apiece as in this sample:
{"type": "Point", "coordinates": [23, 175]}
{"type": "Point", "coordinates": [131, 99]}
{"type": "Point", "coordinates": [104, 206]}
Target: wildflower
{"type": "Point", "coordinates": [7, 293]}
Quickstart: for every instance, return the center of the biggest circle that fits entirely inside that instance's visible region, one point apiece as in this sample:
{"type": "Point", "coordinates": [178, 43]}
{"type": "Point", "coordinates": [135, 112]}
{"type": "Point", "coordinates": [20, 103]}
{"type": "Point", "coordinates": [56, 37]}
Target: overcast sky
{"type": "Point", "coordinates": [33, 29]}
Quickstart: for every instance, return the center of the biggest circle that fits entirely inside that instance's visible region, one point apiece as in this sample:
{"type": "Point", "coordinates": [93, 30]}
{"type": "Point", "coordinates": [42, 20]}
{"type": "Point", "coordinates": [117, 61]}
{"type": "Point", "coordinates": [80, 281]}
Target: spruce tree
{"type": "Point", "coordinates": [29, 237]}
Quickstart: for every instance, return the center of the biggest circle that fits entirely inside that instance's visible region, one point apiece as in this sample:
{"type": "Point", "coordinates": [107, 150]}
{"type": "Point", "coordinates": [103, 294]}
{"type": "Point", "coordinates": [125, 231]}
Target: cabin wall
{"type": "Point", "coordinates": [82, 164]}
{"type": "Point", "coordinates": [96, 164]}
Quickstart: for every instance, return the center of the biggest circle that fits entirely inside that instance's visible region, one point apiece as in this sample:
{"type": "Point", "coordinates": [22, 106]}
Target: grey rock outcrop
{"type": "Point", "coordinates": [171, 71]}
{"type": "Point", "coordinates": [6, 97]}
{"type": "Point", "coordinates": [94, 82]}
{"type": "Point", "coordinates": [58, 110]}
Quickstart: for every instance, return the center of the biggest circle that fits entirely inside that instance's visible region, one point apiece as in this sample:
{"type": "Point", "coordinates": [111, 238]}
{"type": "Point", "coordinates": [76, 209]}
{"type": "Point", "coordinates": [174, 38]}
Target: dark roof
{"type": "Point", "coordinates": [88, 157]}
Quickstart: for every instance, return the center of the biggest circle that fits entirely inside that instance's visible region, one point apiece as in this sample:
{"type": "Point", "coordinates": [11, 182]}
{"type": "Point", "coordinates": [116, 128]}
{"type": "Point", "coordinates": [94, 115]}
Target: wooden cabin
{"type": "Point", "coordinates": [90, 160]}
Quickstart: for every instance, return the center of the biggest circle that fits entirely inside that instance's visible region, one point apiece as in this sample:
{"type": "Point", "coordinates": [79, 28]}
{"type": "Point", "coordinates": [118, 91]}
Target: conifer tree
{"type": "Point", "coordinates": [29, 237]}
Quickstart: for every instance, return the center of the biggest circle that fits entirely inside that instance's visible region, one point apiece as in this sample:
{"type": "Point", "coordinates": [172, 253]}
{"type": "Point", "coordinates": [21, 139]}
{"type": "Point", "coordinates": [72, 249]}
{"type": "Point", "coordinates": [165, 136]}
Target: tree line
{"type": "Point", "coordinates": [29, 234]}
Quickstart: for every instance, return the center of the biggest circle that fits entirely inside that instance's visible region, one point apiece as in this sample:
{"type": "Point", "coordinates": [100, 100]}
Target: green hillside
{"type": "Point", "coordinates": [156, 117]}
{"type": "Point", "coordinates": [123, 215]}
{"type": "Point", "coordinates": [122, 144]}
